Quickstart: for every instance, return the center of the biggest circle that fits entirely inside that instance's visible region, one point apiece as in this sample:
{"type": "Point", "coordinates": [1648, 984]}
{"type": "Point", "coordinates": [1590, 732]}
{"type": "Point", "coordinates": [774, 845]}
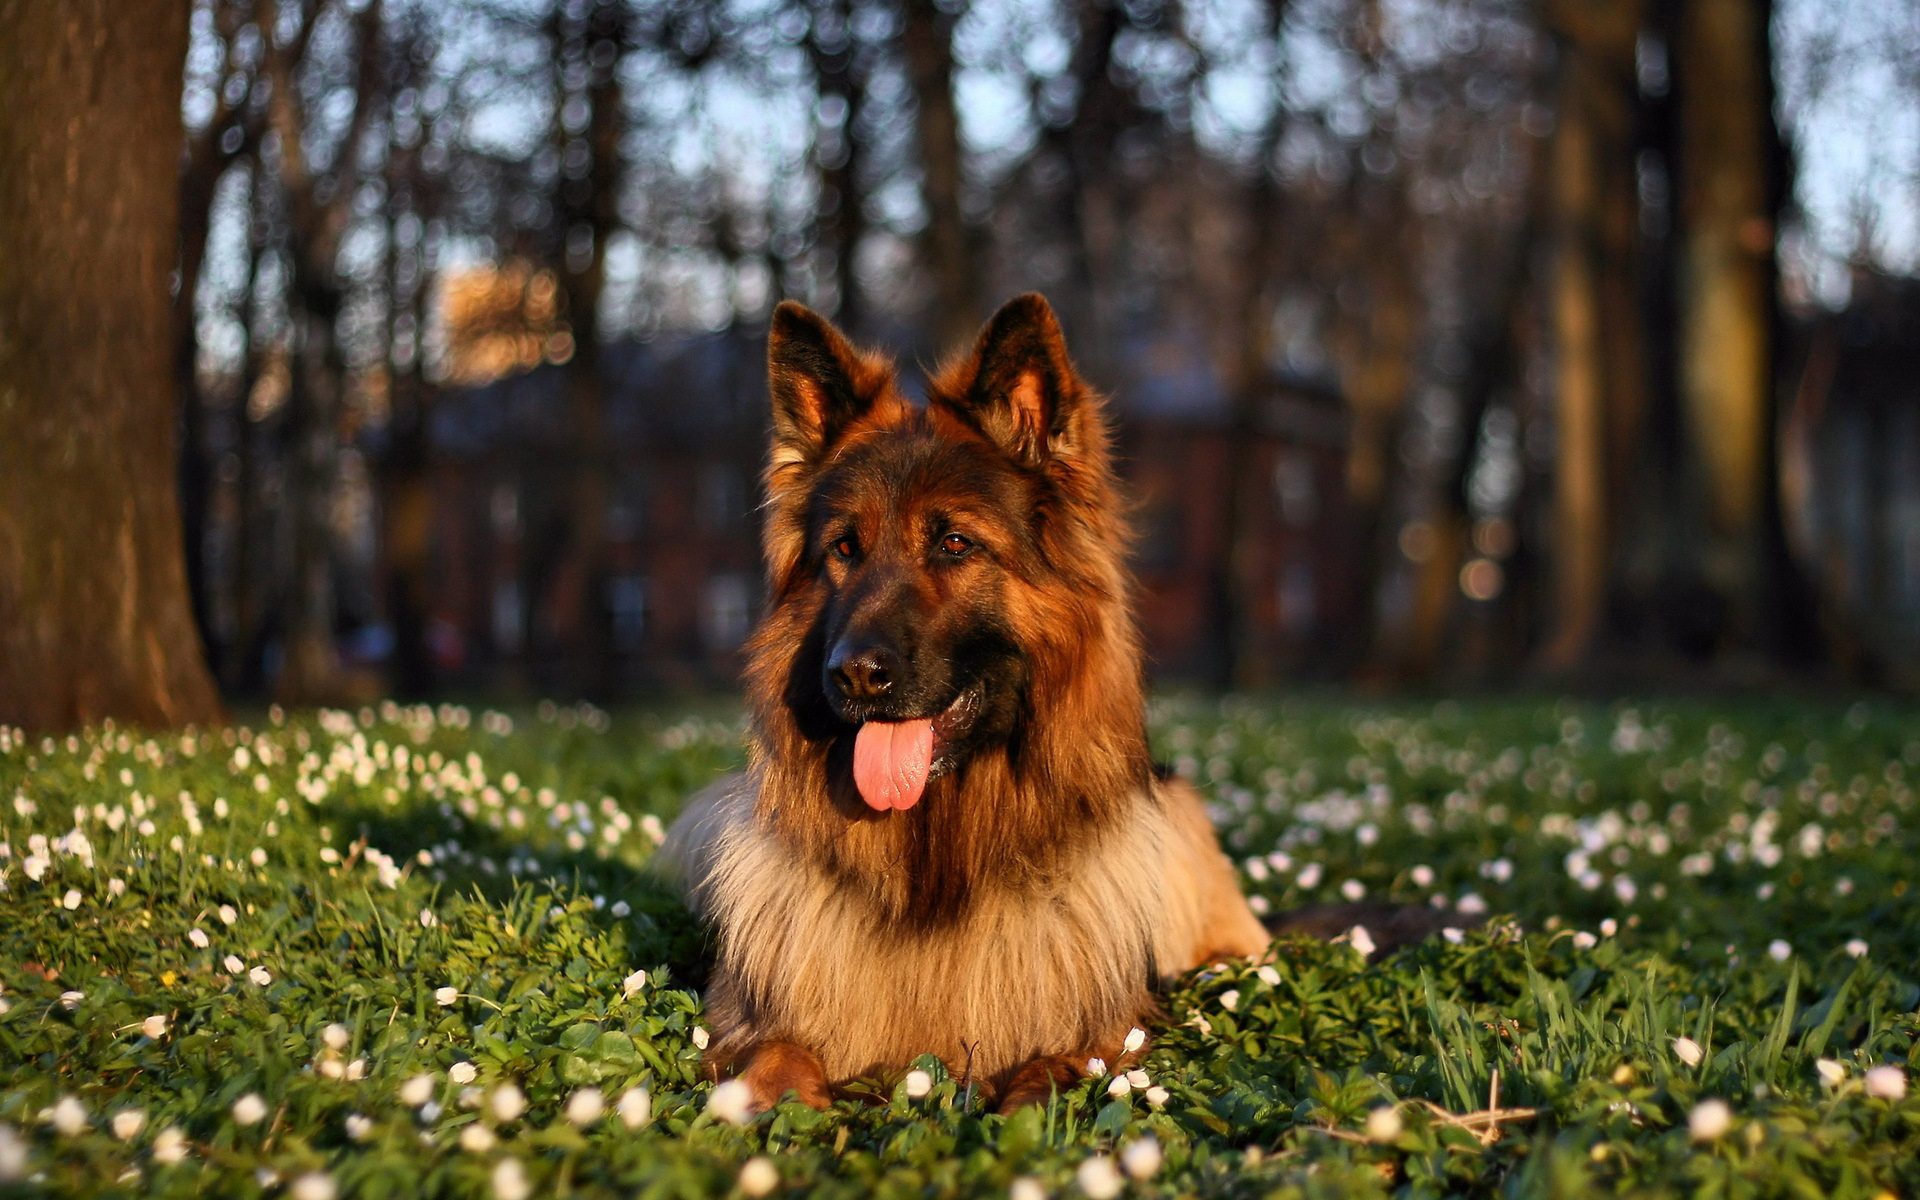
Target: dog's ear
{"type": "Point", "coordinates": [820, 383]}
{"type": "Point", "coordinates": [1018, 386]}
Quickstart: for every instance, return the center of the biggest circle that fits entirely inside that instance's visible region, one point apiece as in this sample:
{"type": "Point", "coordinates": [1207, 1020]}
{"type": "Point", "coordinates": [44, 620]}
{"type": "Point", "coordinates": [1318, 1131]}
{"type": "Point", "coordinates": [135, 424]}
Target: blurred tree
{"type": "Point", "coordinates": [94, 614]}
{"type": "Point", "coordinates": [951, 257]}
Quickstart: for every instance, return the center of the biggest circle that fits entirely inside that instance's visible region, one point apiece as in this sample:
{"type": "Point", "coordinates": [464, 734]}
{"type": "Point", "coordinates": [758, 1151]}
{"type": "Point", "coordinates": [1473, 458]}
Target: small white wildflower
{"type": "Point", "coordinates": [249, 1109]}
{"type": "Point", "coordinates": [446, 997]}
{"type": "Point", "coordinates": [1138, 1078]}
{"type": "Point", "coordinates": [314, 1185]}
{"type": "Point", "coordinates": [199, 938]}
{"type": "Point", "coordinates": [1362, 941]}
{"type": "Point", "coordinates": [336, 1036]}
{"type": "Point", "coordinates": [635, 1107]}
{"type": "Point", "coordinates": [1026, 1188]}
{"type": "Point", "coordinates": [919, 1083]}
{"type": "Point", "coordinates": [1709, 1121]}
{"type": "Point", "coordinates": [416, 1091]}
{"type": "Point", "coordinates": [1119, 1087]}
{"type": "Point", "coordinates": [427, 919]}
{"type": "Point", "coordinates": [331, 1067]}
{"type": "Point", "coordinates": [1098, 1178]}
{"type": "Point", "coordinates": [70, 1116]}
{"type": "Point", "coordinates": [477, 1139]}
{"type": "Point", "coordinates": [1585, 940]}
{"type": "Point", "coordinates": [621, 909]}
{"type": "Point", "coordinates": [233, 964]}
{"type": "Point", "coordinates": [1779, 950]}
{"type": "Point", "coordinates": [357, 1069]}
{"type": "Point", "coordinates": [1230, 999]}
{"type": "Point", "coordinates": [260, 976]}
{"type": "Point", "coordinates": [1454, 936]}
{"type": "Point", "coordinates": [1268, 975]}
{"type": "Point", "coordinates": [1422, 876]}
{"type": "Point", "coordinates": [359, 1126]}
{"type": "Point", "coordinates": [154, 1026]}
{"type": "Point", "coordinates": [585, 1106]}
{"type": "Point", "coordinates": [1309, 876]}
{"type": "Point", "coordinates": [72, 899]}
{"type": "Point", "coordinates": [507, 1103]}
{"type": "Point", "coordinates": [1158, 1096]}
{"type": "Point", "coordinates": [227, 914]}
{"type": "Point", "coordinates": [631, 985]}
{"type": "Point", "coordinates": [1353, 889]}
{"type": "Point", "coordinates": [1096, 1067]}
{"type": "Point", "coordinates": [1142, 1159]}
{"type": "Point", "coordinates": [731, 1102]}
{"type": "Point", "coordinates": [1688, 1051]}
{"type": "Point", "coordinates": [462, 1072]}
{"type": "Point", "coordinates": [1609, 927]}
{"type": "Point", "coordinates": [1856, 948]}
{"type": "Point", "coordinates": [116, 887]}
{"type": "Point", "coordinates": [510, 1180]}
{"type": "Point", "coordinates": [169, 1146]}
{"type": "Point", "coordinates": [1384, 1124]}
{"type": "Point", "coordinates": [258, 857]}
{"type": "Point", "coordinates": [701, 1037]}
{"type": "Point", "coordinates": [1831, 1073]}
{"type": "Point", "coordinates": [1471, 904]}
{"type": "Point", "coordinates": [71, 1000]}
{"type": "Point", "coordinates": [1886, 1083]}
{"type": "Point", "coordinates": [758, 1176]}
{"type": "Point", "coordinates": [1136, 1038]}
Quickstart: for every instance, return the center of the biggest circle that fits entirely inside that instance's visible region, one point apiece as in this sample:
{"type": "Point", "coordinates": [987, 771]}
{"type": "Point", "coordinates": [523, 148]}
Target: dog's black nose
{"type": "Point", "coordinates": [863, 672]}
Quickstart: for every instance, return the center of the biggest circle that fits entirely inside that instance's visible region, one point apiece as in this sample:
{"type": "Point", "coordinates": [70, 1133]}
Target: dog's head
{"type": "Point", "coordinates": [931, 569]}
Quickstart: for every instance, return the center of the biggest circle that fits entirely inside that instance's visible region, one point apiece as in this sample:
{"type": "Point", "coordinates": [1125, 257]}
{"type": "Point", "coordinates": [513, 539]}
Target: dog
{"type": "Point", "coordinates": [950, 837]}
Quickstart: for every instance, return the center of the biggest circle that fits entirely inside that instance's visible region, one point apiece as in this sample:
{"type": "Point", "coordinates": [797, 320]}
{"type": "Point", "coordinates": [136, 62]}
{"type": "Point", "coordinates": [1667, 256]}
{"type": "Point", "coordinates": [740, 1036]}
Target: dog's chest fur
{"type": "Point", "coordinates": [1065, 962]}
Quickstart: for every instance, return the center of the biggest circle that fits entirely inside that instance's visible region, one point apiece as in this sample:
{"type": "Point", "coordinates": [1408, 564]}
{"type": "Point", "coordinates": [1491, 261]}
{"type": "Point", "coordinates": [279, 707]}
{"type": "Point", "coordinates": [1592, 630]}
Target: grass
{"type": "Point", "coordinates": [328, 922]}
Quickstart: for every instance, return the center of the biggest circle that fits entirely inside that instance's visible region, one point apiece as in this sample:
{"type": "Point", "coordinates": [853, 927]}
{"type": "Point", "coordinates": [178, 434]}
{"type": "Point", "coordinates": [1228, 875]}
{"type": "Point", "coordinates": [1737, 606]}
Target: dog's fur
{"type": "Point", "coordinates": [1016, 920]}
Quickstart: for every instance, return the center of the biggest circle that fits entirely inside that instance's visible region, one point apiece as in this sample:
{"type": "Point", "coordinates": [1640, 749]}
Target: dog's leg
{"type": "Point", "coordinates": [776, 1068]}
{"type": "Point", "coordinates": [1040, 1079]}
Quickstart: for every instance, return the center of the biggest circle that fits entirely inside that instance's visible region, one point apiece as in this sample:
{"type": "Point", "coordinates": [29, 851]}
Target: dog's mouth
{"type": "Point", "coordinates": [893, 760]}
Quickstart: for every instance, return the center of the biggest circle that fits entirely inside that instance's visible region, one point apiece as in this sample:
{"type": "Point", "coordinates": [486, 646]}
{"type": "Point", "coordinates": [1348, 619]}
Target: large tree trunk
{"type": "Point", "coordinates": [94, 618]}
{"type": "Point", "coordinates": [929, 48]}
{"type": "Point", "coordinates": [1726, 302]}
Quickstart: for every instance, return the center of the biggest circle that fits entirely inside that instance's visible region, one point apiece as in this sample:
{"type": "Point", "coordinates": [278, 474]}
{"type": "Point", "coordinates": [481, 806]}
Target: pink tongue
{"type": "Point", "coordinates": [890, 762]}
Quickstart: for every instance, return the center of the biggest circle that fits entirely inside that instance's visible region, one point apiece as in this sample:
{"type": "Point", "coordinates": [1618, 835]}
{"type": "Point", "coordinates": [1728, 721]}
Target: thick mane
{"type": "Point", "coordinates": [1010, 813]}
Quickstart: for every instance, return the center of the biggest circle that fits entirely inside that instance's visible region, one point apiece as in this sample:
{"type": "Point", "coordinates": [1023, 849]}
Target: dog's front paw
{"type": "Point", "coordinates": [1039, 1080]}
{"type": "Point", "coordinates": [776, 1068]}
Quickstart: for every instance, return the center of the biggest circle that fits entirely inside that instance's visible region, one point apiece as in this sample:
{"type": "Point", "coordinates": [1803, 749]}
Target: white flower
{"type": "Point", "coordinates": [169, 1146]}
{"type": "Point", "coordinates": [1137, 1037]}
{"type": "Point", "coordinates": [510, 1180]}
{"type": "Point", "coordinates": [1886, 1083]}
{"type": "Point", "coordinates": [1856, 948]}
{"type": "Point", "coordinates": [1119, 1087]}
{"type": "Point", "coordinates": [199, 938]}
{"type": "Point", "coordinates": [758, 1176]}
{"type": "Point", "coordinates": [1138, 1078]}
{"type": "Point", "coordinates": [462, 1072]}
{"type": "Point", "coordinates": [1362, 941]}
{"type": "Point", "coordinates": [357, 1069]}
{"type": "Point", "coordinates": [731, 1102]}
{"type": "Point", "coordinates": [1026, 1188]}
{"type": "Point", "coordinates": [1454, 936]}
{"type": "Point", "coordinates": [1472, 904]}
{"type": "Point", "coordinates": [1709, 1121]}
{"type": "Point", "coordinates": [335, 1036]}
{"type": "Point", "coordinates": [477, 1139]}
{"type": "Point", "coordinates": [116, 887]}
{"type": "Point", "coordinates": [1688, 1051]}
{"type": "Point", "coordinates": [1142, 1159]}
{"type": "Point", "coordinates": [701, 1037]}
{"type": "Point", "coordinates": [1096, 1066]}
{"type": "Point", "coordinates": [635, 1107]}
{"type": "Point", "coordinates": [233, 964]}
{"type": "Point", "coordinates": [154, 1026]}
{"type": "Point", "coordinates": [1268, 976]}
{"type": "Point", "coordinates": [1422, 876]}
{"type": "Point", "coordinates": [416, 1091]}
{"type": "Point", "coordinates": [72, 899]}
{"type": "Point", "coordinates": [260, 976]}
{"type": "Point", "coordinates": [314, 1185]}
{"type": "Point", "coordinates": [1778, 950]}
{"type": "Point", "coordinates": [127, 1123]}
{"type": "Point", "coordinates": [585, 1106]}
{"type": "Point", "coordinates": [249, 1109]}
{"type": "Point", "coordinates": [1230, 999]}
{"type": "Point", "coordinates": [428, 921]}
{"type": "Point", "coordinates": [507, 1103]}
{"type": "Point", "coordinates": [1609, 927]}
{"type": "Point", "coordinates": [1384, 1124]}
{"type": "Point", "coordinates": [1585, 940]}
{"type": "Point", "coordinates": [70, 1116]}
{"type": "Point", "coordinates": [446, 997]}
{"type": "Point", "coordinates": [1353, 889]}
{"type": "Point", "coordinates": [919, 1083]}
{"type": "Point", "coordinates": [258, 857]}
{"type": "Point", "coordinates": [1158, 1096]}
{"type": "Point", "coordinates": [1098, 1178]}
{"type": "Point", "coordinates": [1831, 1073]}
{"type": "Point", "coordinates": [358, 1126]}
{"type": "Point", "coordinates": [621, 909]}
{"type": "Point", "coordinates": [227, 914]}
{"type": "Point", "coordinates": [1309, 876]}
{"type": "Point", "coordinates": [631, 985]}
{"type": "Point", "coordinates": [71, 1000]}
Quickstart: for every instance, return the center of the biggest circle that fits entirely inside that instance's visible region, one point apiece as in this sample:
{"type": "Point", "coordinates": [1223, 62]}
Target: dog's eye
{"type": "Point", "coordinates": [845, 548]}
{"type": "Point", "coordinates": [955, 544]}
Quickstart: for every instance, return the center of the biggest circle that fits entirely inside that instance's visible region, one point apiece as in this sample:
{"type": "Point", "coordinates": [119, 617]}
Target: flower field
{"type": "Point", "coordinates": [416, 952]}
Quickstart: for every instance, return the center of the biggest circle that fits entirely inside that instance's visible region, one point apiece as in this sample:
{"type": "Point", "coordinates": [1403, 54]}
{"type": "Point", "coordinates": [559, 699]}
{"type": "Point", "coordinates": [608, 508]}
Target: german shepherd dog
{"type": "Point", "coordinates": [951, 838]}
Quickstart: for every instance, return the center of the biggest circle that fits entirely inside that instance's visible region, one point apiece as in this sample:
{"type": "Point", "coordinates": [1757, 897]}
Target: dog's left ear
{"type": "Point", "coordinates": [1018, 386]}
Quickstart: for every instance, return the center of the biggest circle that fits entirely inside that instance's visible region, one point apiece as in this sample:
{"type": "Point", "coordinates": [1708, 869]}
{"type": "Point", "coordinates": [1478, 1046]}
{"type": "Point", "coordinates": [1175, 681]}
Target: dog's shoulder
{"type": "Point", "coordinates": [686, 858]}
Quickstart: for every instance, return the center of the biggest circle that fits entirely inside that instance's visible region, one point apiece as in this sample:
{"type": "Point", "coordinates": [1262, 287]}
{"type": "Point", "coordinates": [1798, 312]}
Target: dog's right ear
{"type": "Point", "coordinates": [819, 382]}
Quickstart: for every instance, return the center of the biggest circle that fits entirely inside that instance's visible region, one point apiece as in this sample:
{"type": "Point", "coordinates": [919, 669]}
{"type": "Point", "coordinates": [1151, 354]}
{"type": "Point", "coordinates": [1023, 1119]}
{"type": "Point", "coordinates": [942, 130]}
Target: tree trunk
{"type": "Point", "coordinates": [1726, 302]}
{"type": "Point", "coordinates": [94, 616]}
{"type": "Point", "coordinates": [929, 47]}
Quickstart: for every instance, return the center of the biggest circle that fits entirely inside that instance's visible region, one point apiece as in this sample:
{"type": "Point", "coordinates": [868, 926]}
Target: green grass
{"type": "Point", "coordinates": [1737, 874]}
